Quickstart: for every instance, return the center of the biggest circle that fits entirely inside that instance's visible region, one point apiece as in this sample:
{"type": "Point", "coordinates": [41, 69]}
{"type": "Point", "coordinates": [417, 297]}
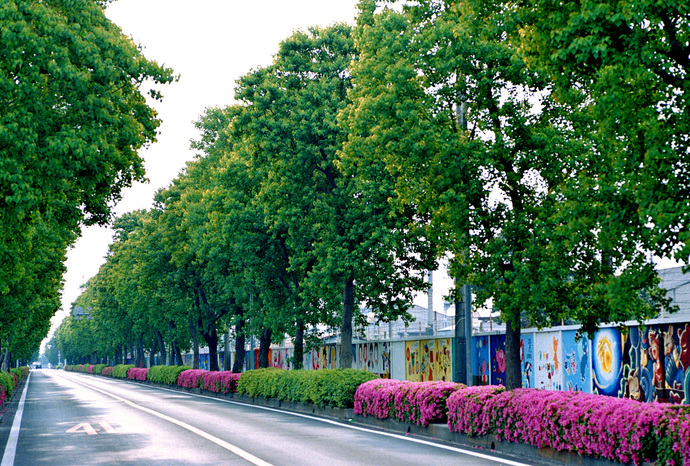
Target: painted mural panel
{"type": "Point", "coordinates": [481, 361]}
{"type": "Point", "coordinates": [281, 358]}
{"type": "Point", "coordinates": [374, 357]}
{"type": "Point", "coordinates": [527, 360]}
{"type": "Point", "coordinates": [498, 359]}
{"type": "Point", "coordinates": [577, 373]}
{"type": "Point", "coordinates": [412, 361]}
{"type": "Point", "coordinates": [607, 362]}
{"type": "Point", "coordinates": [548, 357]}
{"type": "Point", "coordinates": [427, 360]}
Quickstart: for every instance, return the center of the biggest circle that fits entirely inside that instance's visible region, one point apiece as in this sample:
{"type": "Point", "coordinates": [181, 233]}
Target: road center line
{"type": "Point", "coordinates": [222, 443]}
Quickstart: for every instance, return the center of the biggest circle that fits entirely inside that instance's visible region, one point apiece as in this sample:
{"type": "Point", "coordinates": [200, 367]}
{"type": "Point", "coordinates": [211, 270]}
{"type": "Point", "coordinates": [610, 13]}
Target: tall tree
{"type": "Point", "coordinates": [479, 146]}
{"type": "Point", "coordinates": [74, 117]}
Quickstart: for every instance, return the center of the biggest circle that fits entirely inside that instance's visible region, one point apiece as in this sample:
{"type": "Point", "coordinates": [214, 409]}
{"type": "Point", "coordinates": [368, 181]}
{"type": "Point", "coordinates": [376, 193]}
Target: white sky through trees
{"type": "Point", "coordinates": [209, 44]}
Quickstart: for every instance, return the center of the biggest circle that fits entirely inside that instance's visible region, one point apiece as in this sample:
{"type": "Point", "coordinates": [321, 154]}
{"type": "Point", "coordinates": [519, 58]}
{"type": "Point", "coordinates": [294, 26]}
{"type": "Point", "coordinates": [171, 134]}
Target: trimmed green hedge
{"type": "Point", "coordinates": [165, 374]}
{"type": "Point", "coordinates": [98, 368]}
{"type": "Point", "coordinates": [120, 371]}
{"type": "Point", "coordinates": [7, 381]}
{"type": "Point", "coordinates": [326, 387]}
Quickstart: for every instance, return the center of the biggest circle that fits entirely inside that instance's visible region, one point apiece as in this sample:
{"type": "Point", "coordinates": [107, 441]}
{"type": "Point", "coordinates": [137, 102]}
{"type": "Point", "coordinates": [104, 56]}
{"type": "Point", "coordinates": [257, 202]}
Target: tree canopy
{"type": "Point", "coordinates": [74, 117]}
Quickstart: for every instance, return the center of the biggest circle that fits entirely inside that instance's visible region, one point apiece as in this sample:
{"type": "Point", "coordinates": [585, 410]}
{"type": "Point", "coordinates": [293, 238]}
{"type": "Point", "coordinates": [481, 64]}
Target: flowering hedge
{"type": "Point", "coordinates": [417, 402]}
{"type": "Point", "coordinates": [220, 382]}
{"type": "Point", "coordinates": [107, 370]}
{"type": "Point", "coordinates": [612, 428]}
{"type": "Point", "coordinates": [190, 378]}
{"type": "Point", "coordinates": [137, 373]}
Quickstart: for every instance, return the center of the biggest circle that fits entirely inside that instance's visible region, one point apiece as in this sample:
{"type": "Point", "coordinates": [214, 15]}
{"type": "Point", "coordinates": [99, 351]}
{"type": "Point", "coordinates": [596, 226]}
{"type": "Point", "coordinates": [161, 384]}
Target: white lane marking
{"type": "Point", "coordinates": [11, 447]}
{"type": "Point", "coordinates": [500, 460]}
{"type": "Point", "coordinates": [83, 427]}
{"type": "Point", "coordinates": [222, 443]}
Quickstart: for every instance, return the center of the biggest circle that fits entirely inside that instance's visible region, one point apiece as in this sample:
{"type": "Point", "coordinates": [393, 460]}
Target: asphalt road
{"type": "Point", "coordinates": [75, 419]}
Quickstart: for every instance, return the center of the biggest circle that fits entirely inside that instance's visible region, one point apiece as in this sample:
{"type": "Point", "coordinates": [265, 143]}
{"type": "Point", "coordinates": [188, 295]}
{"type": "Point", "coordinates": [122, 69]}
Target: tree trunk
{"type": "Point", "coordinates": [141, 360]}
{"type": "Point", "coordinates": [513, 367]}
{"type": "Point", "coordinates": [193, 329]}
{"type": "Point", "coordinates": [298, 361]}
{"type": "Point", "coordinates": [227, 357]}
{"type": "Point", "coordinates": [264, 347]}
{"type": "Point", "coordinates": [238, 365]}
{"type": "Point", "coordinates": [161, 348]}
{"type": "Point", "coordinates": [6, 361]}
{"type": "Point", "coordinates": [152, 354]}
{"type": "Point", "coordinates": [211, 339]}
{"type": "Point", "coordinates": [346, 356]}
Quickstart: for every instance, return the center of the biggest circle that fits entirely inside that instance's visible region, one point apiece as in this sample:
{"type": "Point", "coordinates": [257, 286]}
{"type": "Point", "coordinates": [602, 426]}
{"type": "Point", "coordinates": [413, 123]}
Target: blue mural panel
{"type": "Point", "coordinates": [498, 359]}
{"type": "Point", "coordinates": [607, 362]}
{"type": "Point", "coordinates": [481, 367]}
{"type": "Point", "coordinates": [576, 367]}
{"type": "Point", "coordinates": [527, 360]}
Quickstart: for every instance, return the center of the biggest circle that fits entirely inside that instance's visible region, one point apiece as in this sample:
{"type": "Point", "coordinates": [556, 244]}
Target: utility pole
{"type": "Point", "coordinates": [463, 309]}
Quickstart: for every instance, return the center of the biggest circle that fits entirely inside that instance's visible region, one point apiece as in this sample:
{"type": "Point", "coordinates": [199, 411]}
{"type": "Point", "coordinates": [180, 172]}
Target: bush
{"type": "Point", "coordinates": [165, 374]}
{"type": "Point", "coordinates": [326, 387]}
{"type": "Point", "coordinates": [613, 428]}
{"type": "Point", "coordinates": [190, 378]}
{"type": "Point", "coordinates": [259, 382]}
{"type": "Point", "coordinates": [98, 369]}
{"type": "Point", "coordinates": [220, 382]}
{"type": "Point", "coordinates": [137, 373]}
{"type": "Point", "coordinates": [107, 370]}
{"type": "Point", "coordinates": [7, 382]}
{"type": "Point", "coordinates": [120, 371]}
{"type": "Point", "coordinates": [417, 402]}
{"type": "Point", "coordinates": [89, 369]}
{"type": "Point", "coordinates": [294, 385]}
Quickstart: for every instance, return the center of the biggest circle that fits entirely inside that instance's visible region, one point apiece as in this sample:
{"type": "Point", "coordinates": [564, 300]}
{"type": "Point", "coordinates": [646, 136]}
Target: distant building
{"type": "Point", "coordinates": [677, 286]}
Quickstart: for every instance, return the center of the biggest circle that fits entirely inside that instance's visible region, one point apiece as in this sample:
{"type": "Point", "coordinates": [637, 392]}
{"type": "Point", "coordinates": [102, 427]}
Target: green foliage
{"type": "Point", "coordinates": [165, 374]}
{"type": "Point", "coordinates": [98, 368]}
{"type": "Point", "coordinates": [7, 381]}
{"type": "Point", "coordinates": [120, 370]}
{"type": "Point", "coordinates": [74, 118]}
{"type": "Point", "coordinates": [327, 387]}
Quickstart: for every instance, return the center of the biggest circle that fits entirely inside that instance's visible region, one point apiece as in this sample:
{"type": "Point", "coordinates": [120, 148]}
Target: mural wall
{"type": "Point", "coordinates": [427, 360]}
{"type": "Point", "coordinates": [646, 364]}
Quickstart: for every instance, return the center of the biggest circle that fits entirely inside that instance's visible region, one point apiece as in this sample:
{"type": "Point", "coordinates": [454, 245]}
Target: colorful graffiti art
{"type": "Point", "coordinates": [577, 371]}
{"type": "Point", "coordinates": [481, 362]}
{"type": "Point", "coordinates": [498, 359]}
{"type": "Point", "coordinates": [527, 360]}
{"type": "Point", "coordinates": [427, 360]}
{"type": "Point", "coordinates": [548, 355]}
{"type": "Point", "coordinates": [607, 361]}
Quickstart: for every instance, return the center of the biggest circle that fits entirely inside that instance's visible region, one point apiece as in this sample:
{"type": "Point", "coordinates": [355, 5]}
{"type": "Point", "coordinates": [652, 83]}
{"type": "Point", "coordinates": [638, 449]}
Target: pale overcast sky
{"type": "Point", "coordinates": [209, 43]}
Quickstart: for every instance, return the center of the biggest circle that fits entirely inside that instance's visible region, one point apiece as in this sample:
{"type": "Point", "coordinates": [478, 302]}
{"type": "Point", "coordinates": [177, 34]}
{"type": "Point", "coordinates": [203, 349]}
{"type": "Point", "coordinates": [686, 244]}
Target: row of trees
{"type": "Point", "coordinates": [72, 121]}
{"type": "Point", "coordinates": [544, 147]}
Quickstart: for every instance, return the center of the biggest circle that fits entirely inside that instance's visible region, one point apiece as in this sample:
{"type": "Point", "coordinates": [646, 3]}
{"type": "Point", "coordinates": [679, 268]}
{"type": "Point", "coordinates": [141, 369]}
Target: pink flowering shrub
{"type": "Point", "coordinates": [220, 382]}
{"type": "Point", "coordinates": [616, 429]}
{"type": "Point", "coordinates": [190, 378]}
{"type": "Point", "coordinates": [417, 402]}
{"type": "Point", "coordinates": [137, 373]}
{"type": "Point", "coordinates": [3, 395]}
{"type": "Point", "coordinates": [89, 369]}
{"type": "Point", "coordinates": [107, 370]}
